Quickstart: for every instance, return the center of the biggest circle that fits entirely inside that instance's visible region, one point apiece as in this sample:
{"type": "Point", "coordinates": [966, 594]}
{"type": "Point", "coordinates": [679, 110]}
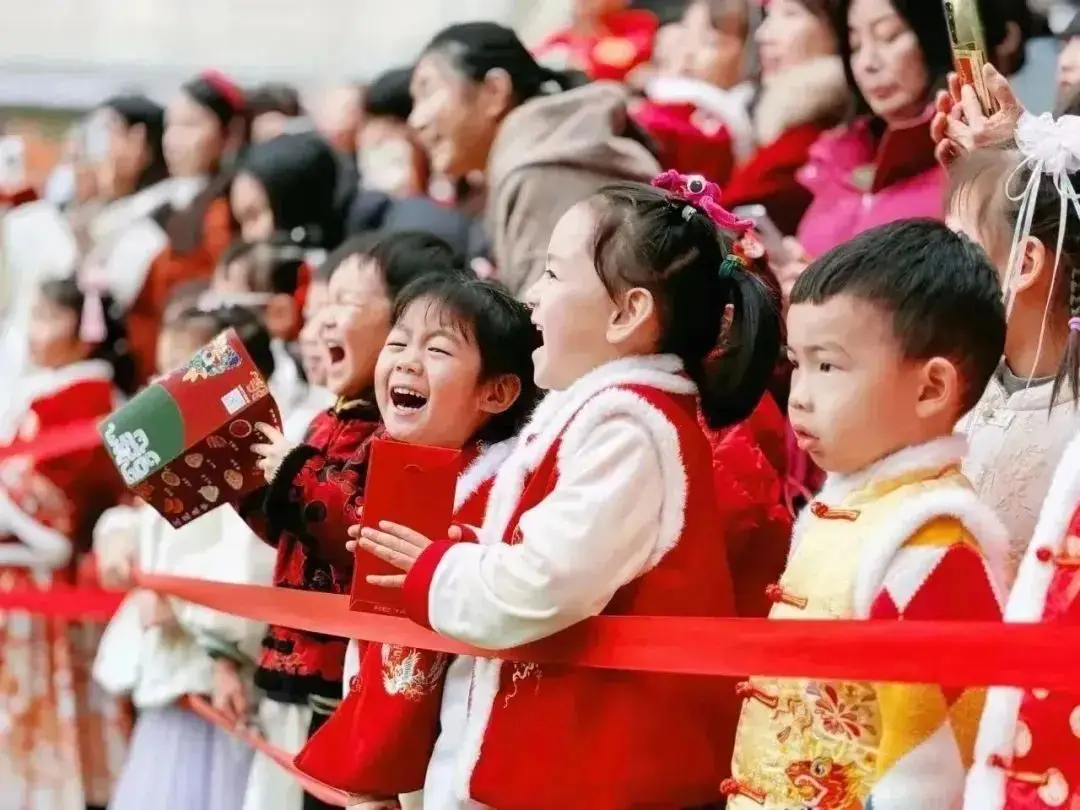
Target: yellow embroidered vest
{"type": "Point", "coordinates": [804, 743]}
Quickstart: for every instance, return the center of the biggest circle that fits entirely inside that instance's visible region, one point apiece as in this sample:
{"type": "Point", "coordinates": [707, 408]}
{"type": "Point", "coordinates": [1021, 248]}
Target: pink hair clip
{"type": "Point", "coordinates": [704, 194]}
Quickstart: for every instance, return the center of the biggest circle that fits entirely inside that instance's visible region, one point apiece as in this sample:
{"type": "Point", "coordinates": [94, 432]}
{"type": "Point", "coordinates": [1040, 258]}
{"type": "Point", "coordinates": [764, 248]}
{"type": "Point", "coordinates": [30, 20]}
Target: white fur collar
{"type": "Point", "coordinates": [481, 469]}
{"type": "Point", "coordinates": [663, 371]}
{"type": "Point", "coordinates": [45, 381]}
{"type": "Point", "coordinates": [812, 92]}
{"type": "Point", "coordinates": [940, 452]}
{"type": "Point", "coordinates": [730, 106]}
{"type": "Point", "coordinates": [179, 191]}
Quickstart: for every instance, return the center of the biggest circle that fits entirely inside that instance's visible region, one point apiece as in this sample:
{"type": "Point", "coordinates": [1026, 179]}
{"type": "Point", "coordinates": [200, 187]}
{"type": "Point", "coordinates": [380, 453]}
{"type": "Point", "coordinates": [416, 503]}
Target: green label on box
{"type": "Point", "coordinates": [145, 435]}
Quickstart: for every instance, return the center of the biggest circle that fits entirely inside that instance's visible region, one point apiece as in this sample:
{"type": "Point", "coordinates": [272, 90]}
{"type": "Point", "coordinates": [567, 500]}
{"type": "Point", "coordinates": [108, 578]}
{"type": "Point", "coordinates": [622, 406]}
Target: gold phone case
{"type": "Point", "coordinates": [969, 47]}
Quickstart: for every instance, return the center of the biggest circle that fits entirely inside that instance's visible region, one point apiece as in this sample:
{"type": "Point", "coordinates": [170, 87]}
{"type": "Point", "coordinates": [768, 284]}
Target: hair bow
{"type": "Point", "coordinates": [704, 194]}
{"type": "Point", "coordinates": [1049, 147]}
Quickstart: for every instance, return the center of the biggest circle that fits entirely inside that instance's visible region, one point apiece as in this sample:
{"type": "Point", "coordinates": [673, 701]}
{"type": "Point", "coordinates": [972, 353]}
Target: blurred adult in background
{"type": "Point", "coordinates": [337, 114]}
{"type": "Point", "coordinates": [485, 110]}
{"type": "Point", "coordinates": [1068, 64]}
{"type": "Point", "coordinates": [697, 102]}
{"type": "Point", "coordinates": [880, 167]}
{"type": "Point", "coordinates": [803, 94]}
{"type": "Point", "coordinates": [396, 174]}
{"type": "Point", "coordinates": [274, 108]}
{"type": "Point", "coordinates": [605, 40]}
{"type": "Point", "coordinates": [205, 128]}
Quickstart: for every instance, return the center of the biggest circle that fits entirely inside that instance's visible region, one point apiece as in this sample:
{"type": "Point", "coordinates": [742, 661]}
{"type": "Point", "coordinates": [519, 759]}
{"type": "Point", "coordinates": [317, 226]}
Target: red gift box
{"type": "Point", "coordinates": [411, 485]}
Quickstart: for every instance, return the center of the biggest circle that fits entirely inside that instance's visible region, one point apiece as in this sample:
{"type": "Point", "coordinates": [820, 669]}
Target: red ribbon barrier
{"type": "Point", "coordinates": [946, 653]}
{"type": "Point", "coordinates": [323, 793]}
{"type": "Point", "coordinates": [61, 601]}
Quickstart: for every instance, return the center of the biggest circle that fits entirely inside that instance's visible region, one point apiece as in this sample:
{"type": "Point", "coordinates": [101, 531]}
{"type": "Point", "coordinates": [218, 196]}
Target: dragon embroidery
{"type": "Point", "coordinates": [411, 673]}
{"type": "Point", "coordinates": [823, 784]}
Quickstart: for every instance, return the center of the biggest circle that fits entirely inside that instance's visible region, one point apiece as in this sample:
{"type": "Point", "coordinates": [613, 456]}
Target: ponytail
{"type": "Point", "coordinates": [1069, 370]}
{"type": "Point", "coordinates": [477, 48]}
{"type": "Point", "coordinates": [732, 378]}
{"type": "Point", "coordinates": [704, 271]}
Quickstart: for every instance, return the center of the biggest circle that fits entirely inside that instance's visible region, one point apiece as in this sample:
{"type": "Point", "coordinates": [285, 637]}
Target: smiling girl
{"type": "Point", "coordinates": [604, 507]}
{"type": "Point", "coordinates": [314, 488]}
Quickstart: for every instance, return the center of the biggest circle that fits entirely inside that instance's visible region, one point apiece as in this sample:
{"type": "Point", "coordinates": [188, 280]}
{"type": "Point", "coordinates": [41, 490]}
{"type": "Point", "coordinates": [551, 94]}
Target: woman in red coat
{"type": "Point", "coordinates": [803, 93]}
{"type": "Point", "coordinates": [606, 40]}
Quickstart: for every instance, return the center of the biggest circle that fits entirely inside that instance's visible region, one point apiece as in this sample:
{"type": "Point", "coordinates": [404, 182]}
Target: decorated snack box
{"type": "Point", "coordinates": [183, 444]}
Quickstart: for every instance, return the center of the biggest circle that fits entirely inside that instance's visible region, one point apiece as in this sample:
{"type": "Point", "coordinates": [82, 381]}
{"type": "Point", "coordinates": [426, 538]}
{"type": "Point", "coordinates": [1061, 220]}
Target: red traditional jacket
{"type": "Point", "coordinates": [1027, 754]}
{"type": "Point", "coordinates": [519, 736]}
{"type": "Point", "coordinates": [305, 513]}
{"type": "Point", "coordinates": [379, 740]}
{"type": "Point", "coordinates": [691, 140]}
{"type": "Point", "coordinates": [50, 501]}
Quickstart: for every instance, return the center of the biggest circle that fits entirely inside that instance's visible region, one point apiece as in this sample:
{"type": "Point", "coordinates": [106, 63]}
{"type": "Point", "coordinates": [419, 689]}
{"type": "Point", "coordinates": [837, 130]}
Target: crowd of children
{"type": "Point", "coordinates": [662, 406]}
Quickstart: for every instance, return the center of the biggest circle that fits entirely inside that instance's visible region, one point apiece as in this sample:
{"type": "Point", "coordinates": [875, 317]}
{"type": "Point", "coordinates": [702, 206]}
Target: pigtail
{"type": "Point", "coordinates": [732, 379]}
{"type": "Point", "coordinates": [1069, 370]}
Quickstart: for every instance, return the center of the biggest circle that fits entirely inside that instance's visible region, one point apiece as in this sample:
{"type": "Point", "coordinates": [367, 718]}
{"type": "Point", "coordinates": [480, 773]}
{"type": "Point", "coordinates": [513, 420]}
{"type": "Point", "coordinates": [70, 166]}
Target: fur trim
{"type": "Point", "coordinates": [570, 414]}
{"type": "Point", "coordinates": [937, 453]}
{"type": "Point", "coordinates": [730, 106]}
{"type": "Point", "coordinates": [482, 468]}
{"type": "Point", "coordinates": [1027, 601]}
{"type": "Point", "coordinates": [921, 508]}
{"type": "Point", "coordinates": [813, 92]}
{"type": "Point", "coordinates": [47, 547]}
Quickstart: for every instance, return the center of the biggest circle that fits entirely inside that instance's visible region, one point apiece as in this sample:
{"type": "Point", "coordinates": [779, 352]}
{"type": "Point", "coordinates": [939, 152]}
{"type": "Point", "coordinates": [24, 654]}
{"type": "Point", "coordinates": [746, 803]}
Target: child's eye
{"type": "Point", "coordinates": [437, 350]}
{"type": "Point", "coordinates": [825, 367]}
{"type": "Point", "coordinates": [548, 273]}
{"type": "Point", "coordinates": [395, 344]}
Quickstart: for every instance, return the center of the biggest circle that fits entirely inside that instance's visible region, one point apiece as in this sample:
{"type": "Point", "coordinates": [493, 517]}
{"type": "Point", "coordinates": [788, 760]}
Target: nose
{"type": "Point", "coordinates": [408, 361]}
{"type": "Point", "coordinates": [799, 396]}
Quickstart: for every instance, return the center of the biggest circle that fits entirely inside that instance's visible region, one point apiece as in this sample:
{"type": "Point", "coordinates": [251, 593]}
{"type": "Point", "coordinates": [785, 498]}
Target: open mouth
{"type": "Point", "coordinates": [335, 352]}
{"type": "Point", "coordinates": [407, 399]}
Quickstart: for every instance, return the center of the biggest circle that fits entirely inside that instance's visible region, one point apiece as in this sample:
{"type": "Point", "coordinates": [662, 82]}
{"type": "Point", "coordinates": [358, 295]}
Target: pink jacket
{"type": "Point", "coordinates": [860, 181]}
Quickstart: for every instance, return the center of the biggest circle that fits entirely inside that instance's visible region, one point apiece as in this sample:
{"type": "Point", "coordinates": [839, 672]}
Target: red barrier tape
{"type": "Point", "coordinates": [946, 653]}
{"type": "Point", "coordinates": [63, 602]}
{"type": "Point", "coordinates": [323, 793]}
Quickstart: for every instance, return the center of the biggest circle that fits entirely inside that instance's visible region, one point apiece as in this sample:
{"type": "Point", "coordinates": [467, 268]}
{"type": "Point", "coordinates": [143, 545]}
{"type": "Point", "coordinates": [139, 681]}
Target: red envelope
{"type": "Point", "coordinates": [411, 485]}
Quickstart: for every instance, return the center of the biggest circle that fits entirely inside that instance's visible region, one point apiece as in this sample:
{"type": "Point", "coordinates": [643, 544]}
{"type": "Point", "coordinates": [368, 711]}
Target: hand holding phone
{"type": "Point", "coordinates": [771, 237]}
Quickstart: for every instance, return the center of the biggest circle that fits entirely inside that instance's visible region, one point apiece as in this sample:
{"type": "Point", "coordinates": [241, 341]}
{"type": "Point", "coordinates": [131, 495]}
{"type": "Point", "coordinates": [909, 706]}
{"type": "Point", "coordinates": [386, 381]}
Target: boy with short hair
{"type": "Point", "coordinates": [893, 337]}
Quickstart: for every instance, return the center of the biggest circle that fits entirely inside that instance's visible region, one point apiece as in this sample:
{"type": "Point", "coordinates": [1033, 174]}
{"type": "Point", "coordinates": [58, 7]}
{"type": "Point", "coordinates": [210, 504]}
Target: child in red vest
{"type": "Point", "coordinates": [606, 506]}
{"type": "Point", "coordinates": [456, 372]}
{"type": "Point", "coordinates": [314, 488]}
{"type": "Point", "coordinates": [1027, 753]}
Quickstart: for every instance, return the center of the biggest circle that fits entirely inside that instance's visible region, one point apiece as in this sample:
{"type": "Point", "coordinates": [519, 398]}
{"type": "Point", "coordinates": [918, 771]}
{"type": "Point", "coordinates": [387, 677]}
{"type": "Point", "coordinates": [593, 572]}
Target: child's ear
{"type": "Point", "coordinates": [636, 309]}
{"type": "Point", "coordinates": [1034, 259]}
{"type": "Point", "coordinates": [500, 393]}
{"type": "Point", "coordinates": [940, 389]}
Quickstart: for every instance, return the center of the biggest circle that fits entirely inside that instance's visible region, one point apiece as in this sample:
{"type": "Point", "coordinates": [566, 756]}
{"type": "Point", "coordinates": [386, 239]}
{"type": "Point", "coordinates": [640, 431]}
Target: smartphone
{"type": "Point", "coordinates": [12, 163]}
{"type": "Point", "coordinates": [412, 485]}
{"type": "Point", "coordinates": [771, 237]}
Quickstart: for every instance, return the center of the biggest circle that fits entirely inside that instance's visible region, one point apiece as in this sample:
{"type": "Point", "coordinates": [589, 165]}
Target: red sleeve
{"type": "Point", "coordinates": [317, 499]}
{"type": "Point", "coordinates": [953, 584]}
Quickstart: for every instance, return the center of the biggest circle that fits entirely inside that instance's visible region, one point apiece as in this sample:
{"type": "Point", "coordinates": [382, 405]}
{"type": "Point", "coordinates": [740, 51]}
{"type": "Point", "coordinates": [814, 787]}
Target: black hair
{"type": "Point", "coordinates": [928, 25]}
{"type": "Point", "coordinates": [644, 238]}
{"type": "Point", "coordinates": [114, 348]}
{"type": "Point", "coordinates": [476, 48]}
{"type": "Point", "coordinates": [996, 17]}
{"type": "Point", "coordinates": [218, 95]}
{"type": "Point", "coordinates": [402, 257]}
{"type": "Point", "coordinates": [389, 97]}
{"type": "Point", "coordinates": [986, 183]}
{"type": "Point", "coordinates": [136, 110]}
{"type": "Point", "coordinates": [300, 174]}
{"type": "Point", "coordinates": [939, 288]}
{"type": "Point", "coordinates": [205, 325]}
{"type": "Point", "coordinates": [273, 97]}
{"type": "Point", "coordinates": [500, 326]}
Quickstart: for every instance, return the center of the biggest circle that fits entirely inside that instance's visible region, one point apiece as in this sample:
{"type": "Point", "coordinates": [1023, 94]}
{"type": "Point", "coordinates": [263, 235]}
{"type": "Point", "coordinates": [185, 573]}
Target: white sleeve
{"type": "Point", "coordinates": [590, 536]}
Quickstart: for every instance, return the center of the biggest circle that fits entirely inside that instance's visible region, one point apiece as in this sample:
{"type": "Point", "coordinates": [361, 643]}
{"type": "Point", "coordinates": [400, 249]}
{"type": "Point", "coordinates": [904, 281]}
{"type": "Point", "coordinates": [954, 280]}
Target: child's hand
{"type": "Point", "coordinates": [115, 571]}
{"type": "Point", "coordinates": [274, 452]}
{"type": "Point", "coordinates": [368, 803]}
{"type": "Point", "coordinates": [398, 545]}
{"type": "Point", "coordinates": [229, 695]}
